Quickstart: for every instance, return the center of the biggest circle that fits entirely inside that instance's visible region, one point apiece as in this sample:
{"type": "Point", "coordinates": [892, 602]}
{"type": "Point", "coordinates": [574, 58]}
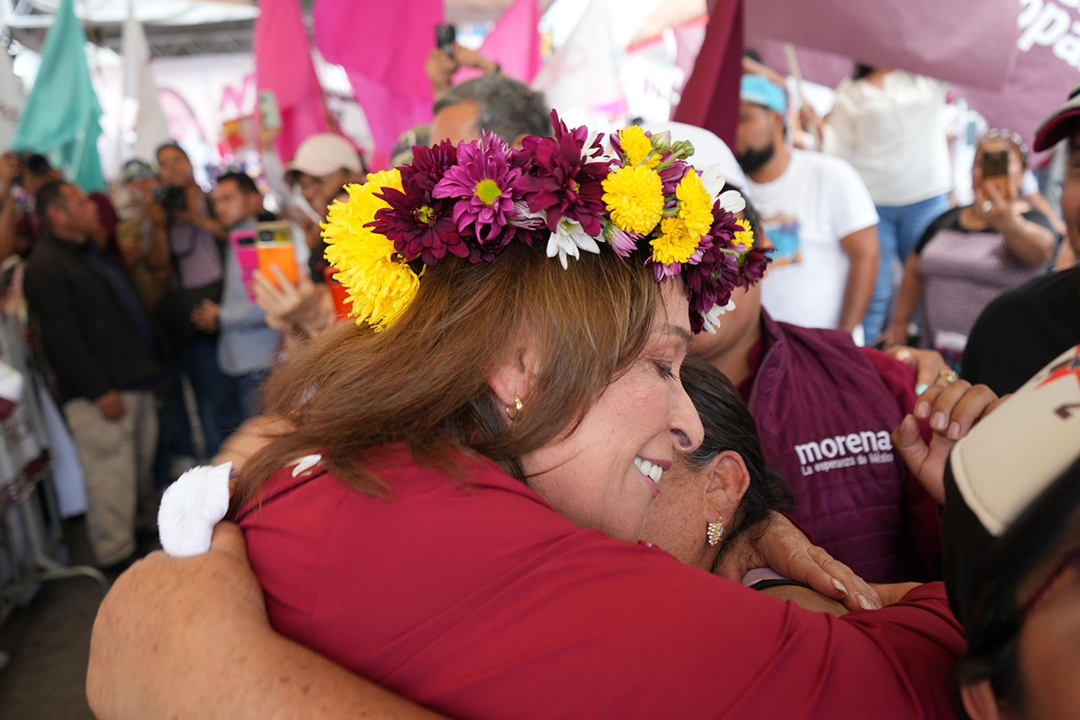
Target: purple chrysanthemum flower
{"type": "Point", "coordinates": [485, 183]}
{"type": "Point", "coordinates": [622, 242]}
{"type": "Point", "coordinates": [419, 225]}
{"type": "Point", "coordinates": [672, 176]}
{"type": "Point", "coordinates": [567, 178]}
{"type": "Point", "coordinates": [720, 268]}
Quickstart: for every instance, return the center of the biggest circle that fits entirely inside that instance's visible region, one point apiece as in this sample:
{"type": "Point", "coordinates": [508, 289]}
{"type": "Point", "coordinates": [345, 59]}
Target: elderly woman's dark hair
{"type": "Point", "coordinates": [729, 426]}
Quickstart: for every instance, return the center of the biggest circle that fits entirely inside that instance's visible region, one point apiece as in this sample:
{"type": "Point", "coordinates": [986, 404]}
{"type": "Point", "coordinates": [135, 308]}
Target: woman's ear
{"type": "Point", "coordinates": [728, 482]}
{"type": "Point", "coordinates": [979, 701]}
{"type": "Point", "coordinates": [513, 378]}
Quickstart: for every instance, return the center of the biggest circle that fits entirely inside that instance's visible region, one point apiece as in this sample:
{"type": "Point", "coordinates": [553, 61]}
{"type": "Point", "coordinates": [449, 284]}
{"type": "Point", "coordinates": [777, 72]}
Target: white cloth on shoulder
{"type": "Point", "coordinates": [199, 500]}
{"type": "Point", "coordinates": [191, 507]}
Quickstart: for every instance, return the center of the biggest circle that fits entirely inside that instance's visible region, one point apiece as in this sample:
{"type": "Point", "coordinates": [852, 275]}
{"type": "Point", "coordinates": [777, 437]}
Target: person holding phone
{"type": "Point", "coordinates": [246, 345]}
{"type": "Point", "coordinates": [971, 255]}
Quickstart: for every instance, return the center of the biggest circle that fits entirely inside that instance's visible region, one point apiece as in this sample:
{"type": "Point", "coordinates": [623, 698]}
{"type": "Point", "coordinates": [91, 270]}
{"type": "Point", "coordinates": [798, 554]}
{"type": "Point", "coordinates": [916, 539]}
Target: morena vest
{"type": "Point", "coordinates": [825, 417]}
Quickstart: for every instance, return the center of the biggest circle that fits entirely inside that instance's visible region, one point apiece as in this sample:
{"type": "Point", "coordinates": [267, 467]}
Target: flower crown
{"type": "Point", "coordinates": [472, 201]}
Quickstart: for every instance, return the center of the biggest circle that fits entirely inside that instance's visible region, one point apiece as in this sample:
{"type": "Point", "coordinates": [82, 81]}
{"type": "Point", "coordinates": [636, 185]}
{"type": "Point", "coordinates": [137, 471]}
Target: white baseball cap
{"type": "Point", "coordinates": [323, 154]}
{"type": "Point", "coordinates": [1012, 491]}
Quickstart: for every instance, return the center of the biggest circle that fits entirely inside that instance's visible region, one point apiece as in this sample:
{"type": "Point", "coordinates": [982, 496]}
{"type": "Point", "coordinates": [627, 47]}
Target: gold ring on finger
{"type": "Point", "coordinates": [949, 376]}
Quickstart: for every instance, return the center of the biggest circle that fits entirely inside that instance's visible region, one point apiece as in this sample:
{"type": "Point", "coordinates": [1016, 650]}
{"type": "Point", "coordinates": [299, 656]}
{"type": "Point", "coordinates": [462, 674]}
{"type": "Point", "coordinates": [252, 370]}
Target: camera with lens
{"type": "Point", "coordinates": [173, 199]}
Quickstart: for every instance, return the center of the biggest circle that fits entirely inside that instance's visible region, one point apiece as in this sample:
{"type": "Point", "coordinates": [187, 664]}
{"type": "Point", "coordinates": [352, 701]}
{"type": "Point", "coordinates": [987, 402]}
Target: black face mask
{"type": "Point", "coordinates": [753, 160]}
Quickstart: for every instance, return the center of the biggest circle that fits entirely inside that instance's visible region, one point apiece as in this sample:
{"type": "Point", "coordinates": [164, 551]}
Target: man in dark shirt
{"type": "Point", "coordinates": [99, 341]}
{"type": "Point", "coordinates": [1026, 328]}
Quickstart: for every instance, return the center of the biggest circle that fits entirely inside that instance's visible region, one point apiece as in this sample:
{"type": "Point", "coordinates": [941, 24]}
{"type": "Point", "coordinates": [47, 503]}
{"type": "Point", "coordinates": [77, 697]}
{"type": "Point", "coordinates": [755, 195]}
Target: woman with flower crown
{"type": "Point", "coordinates": [489, 443]}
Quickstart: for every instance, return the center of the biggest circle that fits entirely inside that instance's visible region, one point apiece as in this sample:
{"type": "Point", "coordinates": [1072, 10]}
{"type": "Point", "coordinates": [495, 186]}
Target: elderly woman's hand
{"type": "Point", "coordinates": [776, 543]}
{"type": "Point", "coordinates": [953, 408]}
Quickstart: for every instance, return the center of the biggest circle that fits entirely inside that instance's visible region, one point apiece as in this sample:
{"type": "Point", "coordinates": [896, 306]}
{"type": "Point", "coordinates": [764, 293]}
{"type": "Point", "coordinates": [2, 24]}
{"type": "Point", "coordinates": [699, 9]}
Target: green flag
{"type": "Point", "coordinates": [61, 119]}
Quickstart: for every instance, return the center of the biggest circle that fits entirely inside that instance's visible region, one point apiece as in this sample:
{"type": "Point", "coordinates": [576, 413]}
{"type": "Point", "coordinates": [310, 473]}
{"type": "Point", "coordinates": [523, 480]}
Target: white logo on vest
{"type": "Point", "coordinates": [844, 451]}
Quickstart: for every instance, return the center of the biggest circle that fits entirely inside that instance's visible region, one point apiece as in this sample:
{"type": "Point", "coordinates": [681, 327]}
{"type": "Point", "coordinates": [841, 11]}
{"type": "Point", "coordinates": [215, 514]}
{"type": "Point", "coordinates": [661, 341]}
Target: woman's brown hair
{"type": "Point", "coordinates": [424, 381]}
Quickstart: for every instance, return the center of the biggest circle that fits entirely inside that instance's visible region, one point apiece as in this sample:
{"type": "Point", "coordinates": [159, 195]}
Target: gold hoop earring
{"type": "Point", "coordinates": [715, 532]}
{"type": "Point", "coordinates": [512, 411]}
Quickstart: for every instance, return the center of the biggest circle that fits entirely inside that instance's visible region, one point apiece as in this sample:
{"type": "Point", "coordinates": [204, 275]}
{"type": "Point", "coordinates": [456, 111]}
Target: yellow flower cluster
{"type": "Point", "coordinates": [695, 204]}
{"type": "Point", "coordinates": [634, 195]}
{"type": "Point", "coordinates": [744, 239]}
{"type": "Point", "coordinates": [676, 244]}
{"type": "Point", "coordinates": [637, 146]}
{"type": "Point", "coordinates": [381, 285]}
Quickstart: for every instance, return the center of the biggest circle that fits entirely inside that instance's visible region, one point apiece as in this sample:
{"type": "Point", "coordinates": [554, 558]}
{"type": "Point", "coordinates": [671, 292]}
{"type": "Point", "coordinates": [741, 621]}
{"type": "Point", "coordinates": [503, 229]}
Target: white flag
{"type": "Point", "coordinates": [145, 127]}
{"type": "Point", "coordinates": [12, 100]}
{"type": "Point", "coordinates": [584, 73]}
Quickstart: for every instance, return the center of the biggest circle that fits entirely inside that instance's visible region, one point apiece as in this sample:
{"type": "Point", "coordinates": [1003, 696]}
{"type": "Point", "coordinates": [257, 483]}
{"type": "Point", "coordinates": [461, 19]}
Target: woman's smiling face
{"type": "Point", "coordinates": [607, 471]}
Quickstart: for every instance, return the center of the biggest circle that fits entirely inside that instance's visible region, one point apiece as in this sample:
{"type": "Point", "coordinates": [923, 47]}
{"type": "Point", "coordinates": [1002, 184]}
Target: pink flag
{"type": "Point", "coordinates": [283, 65]}
{"type": "Point", "coordinates": [963, 41]}
{"type": "Point", "coordinates": [382, 45]}
{"type": "Point", "coordinates": [514, 43]}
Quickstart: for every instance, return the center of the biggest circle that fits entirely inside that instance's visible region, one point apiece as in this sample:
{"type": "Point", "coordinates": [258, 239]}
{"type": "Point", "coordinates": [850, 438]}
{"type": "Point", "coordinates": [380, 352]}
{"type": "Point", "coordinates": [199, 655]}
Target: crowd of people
{"type": "Point", "coordinates": [545, 477]}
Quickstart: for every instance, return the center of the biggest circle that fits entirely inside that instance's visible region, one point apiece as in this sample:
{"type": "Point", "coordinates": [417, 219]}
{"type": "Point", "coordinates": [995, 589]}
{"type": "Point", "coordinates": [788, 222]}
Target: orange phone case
{"type": "Point", "coordinates": [273, 242]}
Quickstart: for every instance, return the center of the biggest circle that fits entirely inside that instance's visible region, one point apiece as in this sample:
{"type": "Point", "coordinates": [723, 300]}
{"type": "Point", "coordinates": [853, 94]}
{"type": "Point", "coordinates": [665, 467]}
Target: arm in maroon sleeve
{"type": "Point", "coordinates": [565, 622]}
{"type": "Point", "coordinates": [924, 514]}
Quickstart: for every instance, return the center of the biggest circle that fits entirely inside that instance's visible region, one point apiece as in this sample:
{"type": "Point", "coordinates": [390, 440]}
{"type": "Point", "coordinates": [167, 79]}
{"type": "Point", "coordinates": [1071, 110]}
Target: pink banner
{"type": "Point", "coordinates": [514, 43]}
{"type": "Point", "coordinates": [283, 65]}
{"type": "Point", "coordinates": [382, 45]}
{"type": "Point", "coordinates": [971, 42]}
{"type": "Point", "coordinates": [1047, 69]}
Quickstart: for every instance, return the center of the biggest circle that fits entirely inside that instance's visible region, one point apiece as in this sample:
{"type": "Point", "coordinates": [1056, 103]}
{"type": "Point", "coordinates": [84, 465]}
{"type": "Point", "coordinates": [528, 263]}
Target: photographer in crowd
{"type": "Point", "coordinates": [183, 218]}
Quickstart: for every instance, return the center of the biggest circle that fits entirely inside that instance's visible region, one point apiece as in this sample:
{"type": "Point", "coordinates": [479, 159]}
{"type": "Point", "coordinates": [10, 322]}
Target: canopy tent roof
{"type": "Point", "coordinates": [192, 27]}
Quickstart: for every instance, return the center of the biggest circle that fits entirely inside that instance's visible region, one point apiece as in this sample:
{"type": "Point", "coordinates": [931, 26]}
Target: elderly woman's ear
{"type": "Point", "coordinates": [728, 482]}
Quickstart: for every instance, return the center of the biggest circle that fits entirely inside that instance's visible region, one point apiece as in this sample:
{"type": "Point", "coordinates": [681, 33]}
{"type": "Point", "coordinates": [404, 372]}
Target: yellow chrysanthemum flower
{"type": "Point", "coordinates": [744, 239]}
{"type": "Point", "coordinates": [634, 195]}
{"type": "Point", "coordinates": [675, 245]}
{"type": "Point", "coordinates": [381, 285]}
{"type": "Point", "coordinates": [695, 204]}
{"type": "Point", "coordinates": [637, 146]}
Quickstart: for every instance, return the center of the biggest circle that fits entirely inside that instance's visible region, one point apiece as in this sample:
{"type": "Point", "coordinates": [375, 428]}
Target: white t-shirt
{"type": "Point", "coordinates": [814, 205]}
{"type": "Point", "coordinates": [894, 136]}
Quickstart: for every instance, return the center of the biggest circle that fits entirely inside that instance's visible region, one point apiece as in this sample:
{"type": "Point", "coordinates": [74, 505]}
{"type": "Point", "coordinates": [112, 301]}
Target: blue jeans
{"type": "Point", "coordinates": [899, 230]}
{"type": "Point", "coordinates": [245, 392]}
{"type": "Point", "coordinates": [197, 358]}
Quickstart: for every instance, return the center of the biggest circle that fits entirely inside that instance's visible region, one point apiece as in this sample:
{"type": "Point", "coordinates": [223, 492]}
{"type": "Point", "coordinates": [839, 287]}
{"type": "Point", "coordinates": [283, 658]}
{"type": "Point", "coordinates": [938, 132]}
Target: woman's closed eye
{"type": "Point", "coordinates": [665, 370]}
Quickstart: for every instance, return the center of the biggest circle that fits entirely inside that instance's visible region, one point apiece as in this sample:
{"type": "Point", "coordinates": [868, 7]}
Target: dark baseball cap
{"type": "Point", "coordinates": [1060, 124]}
{"type": "Point", "coordinates": [1012, 494]}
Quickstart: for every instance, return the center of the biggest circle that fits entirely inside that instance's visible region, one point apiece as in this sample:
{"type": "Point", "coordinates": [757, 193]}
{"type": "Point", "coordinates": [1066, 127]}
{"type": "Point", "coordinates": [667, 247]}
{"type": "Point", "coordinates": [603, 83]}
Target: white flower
{"type": "Point", "coordinates": [306, 463]}
{"type": "Point", "coordinates": [567, 239]}
{"type": "Point", "coordinates": [713, 181]}
{"type": "Point", "coordinates": [712, 318]}
{"type": "Point", "coordinates": [191, 507]}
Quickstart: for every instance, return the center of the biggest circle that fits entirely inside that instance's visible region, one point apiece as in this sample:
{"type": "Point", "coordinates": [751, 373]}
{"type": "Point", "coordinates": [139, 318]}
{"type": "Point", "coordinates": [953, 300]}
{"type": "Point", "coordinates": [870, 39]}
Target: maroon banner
{"type": "Point", "coordinates": [711, 97]}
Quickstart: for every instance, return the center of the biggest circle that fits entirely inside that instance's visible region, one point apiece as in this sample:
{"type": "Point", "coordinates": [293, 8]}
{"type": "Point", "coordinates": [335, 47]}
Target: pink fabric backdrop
{"type": "Point", "coordinates": [382, 44]}
{"type": "Point", "coordinates": [283, 65]}
{"type": "Point", "coordinates": [514, 43]}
